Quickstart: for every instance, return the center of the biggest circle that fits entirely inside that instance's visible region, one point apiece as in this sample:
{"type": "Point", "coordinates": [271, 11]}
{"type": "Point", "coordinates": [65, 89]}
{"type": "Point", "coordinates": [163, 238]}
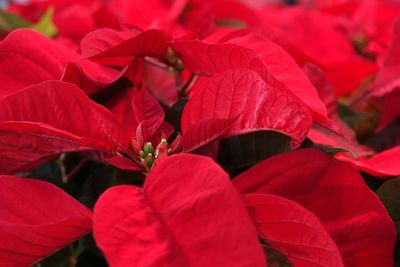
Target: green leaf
{"type": "Point", "coordinates": [173, 115]}
{"type": "Point", "coordinates": [328, 149]}
{"type": "Point", "coordinates": [46, 25]}
{"type": "Point", "coordinates": [352, 117]}
{"type": "Point", "coordinates": [243, 151]}
{"type": "Point", "coordinates": [58, 259]}
{"type": "Point", "coordinates": [276, 258]}
{"type": "Point", "coordinates": [390, 196]}
{"type": "Point", "coordinates": [233, 23]}
{"type": "Point", "coordinates": [10, 21]}
{"type": "Point", "coordinates": [389, 193]}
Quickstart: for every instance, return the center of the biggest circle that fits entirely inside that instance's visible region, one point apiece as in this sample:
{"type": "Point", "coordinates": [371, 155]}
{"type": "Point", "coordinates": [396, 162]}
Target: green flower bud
{"type": "Point", "coordinates": [148, 148]}
{"type": "Point", "coordinates": [149, 160]}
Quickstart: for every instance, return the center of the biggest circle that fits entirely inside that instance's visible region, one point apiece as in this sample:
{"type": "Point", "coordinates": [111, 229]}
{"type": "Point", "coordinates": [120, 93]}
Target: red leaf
{"type": "Point", "coordinates": [88, 76]}
{"type": "Point", "coordinates": [101, 40]}
{"type": "Point", "coordinates": [243, 94]}
{"type": "Point", "coordinates": [326, 136]}
{"type": "Point", "coordinates": [283, 67]}
{"type": "Point", "coordinates": [390, 109]}
{"type": "Point", "coordinates": [383, 164]}
{"type": "Point", "coordinates": [51, 118]}
{"type": "Point", "coordinates": [187, 204]}
{"type": "Point", "coordinates": [345, 69]}
{"type": "Point", "coordinates": [37, 219]}
{"type": "Point", "coordinates": [261, 55]}
{"type": "Point", "coordinates": [336, 194]}
{"type": "Point", "coordinates": [27, 58]}
{"type": "Point", "coordinates": [293, 230]}
{"type": "Point", "coordinates": [387, 78]}
{"type": "Point", "coordinates": [148, 113]}
{"type": "Point", "coordinates": [151, 43]}
{"type": "Point", "coordinates": [204, 132]}
{"type": "Point", "coordinates": [255, 53]}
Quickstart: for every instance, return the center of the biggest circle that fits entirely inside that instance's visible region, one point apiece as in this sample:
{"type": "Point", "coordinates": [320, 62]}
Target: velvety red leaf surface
{"type": "Point", "coordinates": [37, 219]}
{"type": "Point", "coordinates": [50, 118]}
{"type": "Point", "coordinates": [244, 95]}
{"type": "Point", "coordinates": [336, 194]}
{"type": "Point", "coordinates": [187, 204]}
{"type": "Point", "coordinates": [294, 231]}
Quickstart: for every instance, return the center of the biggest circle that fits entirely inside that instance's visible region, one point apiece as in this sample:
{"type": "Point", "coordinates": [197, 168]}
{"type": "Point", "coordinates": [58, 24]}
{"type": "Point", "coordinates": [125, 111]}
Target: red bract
{"type": "Point", "coordinates": [125, 49]}
{"type": "Point", "coordinates": [387, 82]}
{"type": "Point", "coordinates": [157, 14]}
{"type": "Point", "coordinates": [382, 164]}
{"type": "Point", "coordinates": [258, 54]}
{"type": "Point", "coordinates": [75, 123]}
{"type": "Point", "coordinates": [244, 95]}
{"type": "Point", "coordinates": [25, 50]}
{"type": "Point", "coordinates": [73, 19]}
{"type": "Point", "coordinates": [321, 135]}
{"type": "Point", "coordinates": [345, 69]}
{"type": "Point", "coordinates": [37, 219]}
{"type": "Point", "coordinates": [30, 133]}
{"type": "Point", "coordinates": [28, 58]}
{"type": "Point", "coordinates": [253, 52]}
{"type": "Point", "coordinates": [332, 190]}
{"type": "Point", "coordinates": [187, 204]}
{"type": "Point", "coordinates": [295, 231]}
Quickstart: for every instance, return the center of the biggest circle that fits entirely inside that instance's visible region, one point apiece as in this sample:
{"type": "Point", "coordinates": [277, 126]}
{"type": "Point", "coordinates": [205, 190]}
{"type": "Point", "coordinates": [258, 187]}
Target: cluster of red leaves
{"type": "Point", "coordinates": [125, 84]}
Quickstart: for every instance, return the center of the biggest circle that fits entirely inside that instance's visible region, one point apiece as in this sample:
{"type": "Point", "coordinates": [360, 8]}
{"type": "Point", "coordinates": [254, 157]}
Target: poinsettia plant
{"type": "Point", "coordinates": [199, 133]}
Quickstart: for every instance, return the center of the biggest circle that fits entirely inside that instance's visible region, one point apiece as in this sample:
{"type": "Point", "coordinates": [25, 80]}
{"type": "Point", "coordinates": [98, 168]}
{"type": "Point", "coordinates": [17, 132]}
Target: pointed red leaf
{"type": "Point", "coordinates": [204, 132]}
{"type": "Point", "coordinates": [283, 67]}
{"type": "Point", "coordinates": [326, 136]}
{"type": "Point", "coordinates": [148, 43]}
{"type": "Point", "coordinates": [50, 118]}
{"type": "Point", "coordinates": [336, 194]}
{"type": "Point", "coordinates": [37, 219]}
{"type": "Point", "coordinates": [88, 76]}
{"type": "Point", "coordinates": [263, 56]}
{"type": "Point", "coordinates": [383, 164]}
{"type": "Point", "coordinates": [293, 231]}
{"type": "Point", "coordinates": [27, 58]}
{"type": "Point", "coordinates": [244, 95]}
{"type": "Point", "coordinates": [101, 40]}
{"type": "Point", "coordinates": [345, 69]}
{"type": "Point", "coordinates": [256, 53]}
{"type": "Point", "coordinates": [187, 214]}
{"type": "Point", "coordinates": [148, 112]}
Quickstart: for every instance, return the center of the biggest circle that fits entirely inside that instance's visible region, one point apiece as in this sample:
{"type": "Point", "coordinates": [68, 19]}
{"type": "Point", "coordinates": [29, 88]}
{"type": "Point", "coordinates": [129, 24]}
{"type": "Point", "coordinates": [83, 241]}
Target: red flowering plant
{"type": "Point", "coordinates": [192, 133]}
